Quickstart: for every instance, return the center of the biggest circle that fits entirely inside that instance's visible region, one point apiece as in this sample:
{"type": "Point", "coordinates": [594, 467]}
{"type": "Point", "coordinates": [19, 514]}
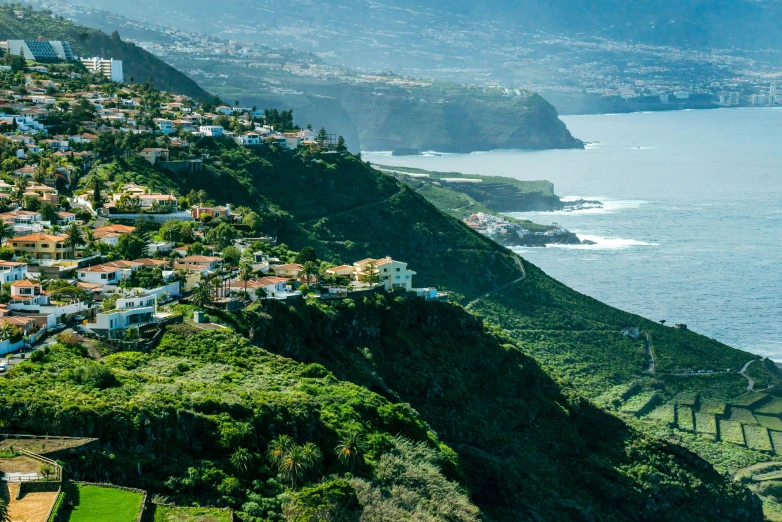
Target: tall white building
{"type": "Point", "coordinates": [110, 68]}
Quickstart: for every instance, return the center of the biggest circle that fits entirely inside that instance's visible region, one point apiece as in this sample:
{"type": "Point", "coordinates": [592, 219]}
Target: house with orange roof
{"type": "Point", "coordinates": [272, 287]}
{"type": "Point", "coordinates": [41, 246]}
{"type": "Point", "coordinates": [108, 273]}
{"type": "Point", "coordinates": [289, 271]}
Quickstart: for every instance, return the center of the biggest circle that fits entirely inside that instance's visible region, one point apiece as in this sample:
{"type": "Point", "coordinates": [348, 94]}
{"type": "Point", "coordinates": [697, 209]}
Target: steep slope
{"type": "Point", "coordinates": [137, 62]}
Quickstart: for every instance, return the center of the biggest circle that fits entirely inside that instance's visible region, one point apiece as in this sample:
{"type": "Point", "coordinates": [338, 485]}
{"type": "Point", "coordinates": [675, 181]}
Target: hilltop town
{"type": "Point", "coordinates": [83, 249]}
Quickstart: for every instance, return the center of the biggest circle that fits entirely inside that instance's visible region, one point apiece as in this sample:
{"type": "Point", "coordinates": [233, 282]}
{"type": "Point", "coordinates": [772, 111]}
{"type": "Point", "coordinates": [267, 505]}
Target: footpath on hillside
{"type": "Point", "coordinates": [501, 287]}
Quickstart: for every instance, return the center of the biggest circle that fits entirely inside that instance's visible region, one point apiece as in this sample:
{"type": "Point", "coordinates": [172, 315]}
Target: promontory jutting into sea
{"type": "Point", "coordinates": [548, 289]}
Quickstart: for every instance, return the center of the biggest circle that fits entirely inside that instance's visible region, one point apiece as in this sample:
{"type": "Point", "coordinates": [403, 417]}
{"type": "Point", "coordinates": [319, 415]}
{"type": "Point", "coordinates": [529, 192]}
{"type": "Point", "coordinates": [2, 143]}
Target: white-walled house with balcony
{"type": "Point", "coordinates": [28, 296]}
{"type": "Point", "coordinates": [114, 323]}
{"type": "Point", "coordinates": [10, 271]}
{"type": "Point", "coordinates": [108, 273]}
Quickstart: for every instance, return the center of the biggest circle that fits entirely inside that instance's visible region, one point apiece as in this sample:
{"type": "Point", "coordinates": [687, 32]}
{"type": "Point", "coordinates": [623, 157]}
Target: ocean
{"type": "Point", "coordinates": [691, 228]}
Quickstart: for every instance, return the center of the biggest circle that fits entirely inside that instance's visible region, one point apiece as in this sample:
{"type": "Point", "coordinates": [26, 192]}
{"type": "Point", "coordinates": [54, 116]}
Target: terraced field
{"type": "Point", "coordinates": [757, 438]}
{"type": "Point", "coordinates": [731, 431]}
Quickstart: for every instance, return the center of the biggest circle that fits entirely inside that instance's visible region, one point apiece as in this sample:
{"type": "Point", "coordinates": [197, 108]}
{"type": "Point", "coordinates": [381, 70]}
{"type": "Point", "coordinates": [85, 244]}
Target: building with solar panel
{"type": "Point", "coordinates": [41, 50]}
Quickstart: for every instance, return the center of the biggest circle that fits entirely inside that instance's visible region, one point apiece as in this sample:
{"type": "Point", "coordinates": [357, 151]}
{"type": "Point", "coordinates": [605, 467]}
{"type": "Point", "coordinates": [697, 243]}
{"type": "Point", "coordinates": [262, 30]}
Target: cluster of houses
{"type": "Point", "coordinates": [497, 227]}
{"type": "Point", "coordinates": [65, 260]}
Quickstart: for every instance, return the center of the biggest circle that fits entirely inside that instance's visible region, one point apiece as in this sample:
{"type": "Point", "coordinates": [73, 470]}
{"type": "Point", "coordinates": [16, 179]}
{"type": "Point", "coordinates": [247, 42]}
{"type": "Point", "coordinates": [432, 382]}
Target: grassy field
{"type": "Point", "coordinates": [181, 514]}
{"type": "Point", "coordinates": [97, 504]}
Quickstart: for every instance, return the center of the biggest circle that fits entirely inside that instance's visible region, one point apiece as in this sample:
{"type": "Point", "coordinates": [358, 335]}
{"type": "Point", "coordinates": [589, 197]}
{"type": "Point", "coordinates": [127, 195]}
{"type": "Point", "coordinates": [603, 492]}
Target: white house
{"type": "Point", "coordinates": [273, 287]}
{"type": "Point", "coordinates": [393, 274]}
{"type": "Point", "coordinates": [249, 139]}
{"type": "Point", "coordinates": [28, 296]}
{"type": "Point", "coordinates": [10, 271]}
{"type": "Point", "coordinates": [113, 324]}
{"type": "Point", "coordinates": [165, 126]}
{"type": "Point", "coordinates": [108, 273]}
{"type": "Point", "coordinates": [211, 131]}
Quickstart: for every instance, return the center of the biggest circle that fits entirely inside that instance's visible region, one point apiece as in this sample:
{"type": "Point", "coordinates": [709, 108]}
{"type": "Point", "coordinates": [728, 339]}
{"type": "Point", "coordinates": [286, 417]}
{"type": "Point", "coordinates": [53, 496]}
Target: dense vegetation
{"type": "Point", "coordinates": [138, 64]}
{"type": "Point", "coordinates": [199, 412]}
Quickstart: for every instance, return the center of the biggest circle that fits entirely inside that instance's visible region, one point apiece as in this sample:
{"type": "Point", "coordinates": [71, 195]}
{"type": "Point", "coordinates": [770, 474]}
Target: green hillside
{"type": "Point", "coordinates": [137, 62]}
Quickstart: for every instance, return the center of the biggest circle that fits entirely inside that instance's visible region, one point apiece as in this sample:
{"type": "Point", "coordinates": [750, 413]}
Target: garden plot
{"type": "Point", "coordinates": [772, 423]}
{"type": "Point", "coordinates": [684, 418]}
{"type": "Point", "coordinates": [98, 504]}
{"type": "Point", "coordinates": [705, 423]}
{"type": "Point", "coordinates": [748, 401]}
{"type": "Point", "coordinates": [776, 441]}
{"type": "Point", "coordinates": [730, 431]}
{"type": "Point", "coordinates": [665, 413]}
{"type": "Point", "coordinates": [640, 404]}
{"type": "Point", "coordinates": [741, 415]}
{"type": "Point", "coordinates": [757, 438]}
{"type": "Point", "coordinates": [713, 406]}
{"type": "Point", "coordinates": [774, 407]}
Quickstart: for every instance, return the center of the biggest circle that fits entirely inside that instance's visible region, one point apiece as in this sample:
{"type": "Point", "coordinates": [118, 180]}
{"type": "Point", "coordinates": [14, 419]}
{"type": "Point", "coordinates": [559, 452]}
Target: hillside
{"type": "Point", "coordinates": [522, 447]}
{"type": "Point", "coordinates": [137, 63]}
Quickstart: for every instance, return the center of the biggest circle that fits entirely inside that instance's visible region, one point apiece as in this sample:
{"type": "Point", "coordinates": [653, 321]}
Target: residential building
{"type": "Point", "coordinates": [273, 287]}
{"type": "Point", "coordinates": [108, 273]}
{"type": "Point", "coordinates": [204, 262]}
{"type": "Point", "coordinates": [393, 274]}
{"type": "Point", "coordinates": [165, 126]}
{"type": "Point", "coordinates": [28, 297]}
{"type": "Point", "coordinates": [211, 131]}
{"type": "Point", "coordinates": [199, 212]}
{"type": "Point", "coordinates": [289, 271]}
{"type": "Point", "coordinates": [154, 155]}
{"type": "Point", "coordinates": [249, 139]}
{"type": "Point", "coordinates": [65, 218]}
{"type": "Point", "coordinates": [114, 323]}
{"type": "Point", "coordinates": [41, 246]}
{"type": "Point", "coordinates": [110, 68]}
{"type": "Point", "coordinates": [10, 271]}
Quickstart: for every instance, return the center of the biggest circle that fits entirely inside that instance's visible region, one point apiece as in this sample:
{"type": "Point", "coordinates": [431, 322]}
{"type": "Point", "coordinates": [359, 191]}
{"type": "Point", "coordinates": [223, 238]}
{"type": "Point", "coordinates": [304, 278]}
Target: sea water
{"type": "Point", "coordinates": [691, 227]}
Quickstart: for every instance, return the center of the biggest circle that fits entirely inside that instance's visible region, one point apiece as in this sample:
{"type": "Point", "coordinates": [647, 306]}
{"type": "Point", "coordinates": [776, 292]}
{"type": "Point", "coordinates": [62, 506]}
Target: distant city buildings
{"type": "Point", "coordinates": [40, 50]}
{"type": "Point", "coordinates": [108, 67]}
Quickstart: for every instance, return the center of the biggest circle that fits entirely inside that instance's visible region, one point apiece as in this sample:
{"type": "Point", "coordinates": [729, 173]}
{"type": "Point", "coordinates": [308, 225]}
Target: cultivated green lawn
{"type": "Point", "coordinates": [182, 514]}
{"type": "Point", "coordinates": [98, 504]}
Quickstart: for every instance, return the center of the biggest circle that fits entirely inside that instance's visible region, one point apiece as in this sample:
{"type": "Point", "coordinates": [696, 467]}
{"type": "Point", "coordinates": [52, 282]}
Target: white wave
{"type": "Point", "coordinates": [607, 206]}
{"type": "Point", "coordinates": [606, 243]}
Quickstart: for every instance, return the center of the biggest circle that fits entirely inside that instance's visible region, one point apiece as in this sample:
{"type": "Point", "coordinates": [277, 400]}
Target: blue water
{"type": "Point", "coordinates": [692, 226]}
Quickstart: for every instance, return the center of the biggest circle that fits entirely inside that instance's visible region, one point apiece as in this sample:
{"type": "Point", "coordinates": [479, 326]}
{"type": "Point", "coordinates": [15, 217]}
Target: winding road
{"type": "Point", "coordinates": [750, 381]}
{"type": "Point", "coordinates": [360, 207]}
{"type": "Point", "coordinates": [501, 287]}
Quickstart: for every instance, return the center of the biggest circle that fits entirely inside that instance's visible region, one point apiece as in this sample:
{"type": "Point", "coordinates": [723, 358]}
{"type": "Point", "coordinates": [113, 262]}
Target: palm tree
{"type": "Point", "coordinates": [20, 187]}
{"type": "Point", "coordinates": [6, 231]}
{"type": "Point", "coordinates": [277, 449]}
{"type": "Point", "coordinates": [241, 460]}
{"type": "Point", "coordinates": [350, 449]}
{"type": "Point", "coordinates": [310, 269]}
{"type": "Point", "coordinates": [202, 296]}
{"type": "Point", "coordinates": [4, 516]}
{"type": "Point", "coordinates": [73, 238]}
{"type": "Point", "coordinates": [245, 273]}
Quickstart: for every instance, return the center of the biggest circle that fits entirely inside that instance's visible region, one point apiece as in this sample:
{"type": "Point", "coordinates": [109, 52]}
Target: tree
{"type": "Point", "coordinates": [231, 256]}
{"type": "Point", "coordinates": [310, 269]}
{"type": "Point", "coordinates": [221, 236]}
{"type": "Point", "coordinates": [350, 449]}
{"type": "Point", "coordinates": [277, 449]}
{"type": "Point", "coordinates": [31, 203]}
{"type": "Point", "coordinates": [6, 231]}
{"type": "Point", "coordinates": [73, 238]}
{"type": "Point", "coordinates": [306, 254]}
{"type": "Point", "coordinates": [245, 273]}
{"type": "Point", "coordinates": [49, 213]}
{"type": "Point", "coordinates": [341, 147]}
{"type": "Point", "coordinates": [371, 274]}
{"type": "Point", "coordinates": [252, 221]}
{"type": "Point", "coordinates": [4, 516]}
{"type": "Point", "coordinates": [323, 136]}
{"type": "Point", "coordinates": [202, 296]}
{"type": "Point", "coordinates": [241, 460]}
{"type": "Point", "coordinates": [131, 246]}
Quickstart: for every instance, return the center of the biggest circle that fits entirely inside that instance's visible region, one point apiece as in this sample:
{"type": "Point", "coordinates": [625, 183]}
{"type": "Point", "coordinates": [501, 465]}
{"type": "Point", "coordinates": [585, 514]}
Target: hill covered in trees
{"type": "Point", "coordinates": [137, 63]}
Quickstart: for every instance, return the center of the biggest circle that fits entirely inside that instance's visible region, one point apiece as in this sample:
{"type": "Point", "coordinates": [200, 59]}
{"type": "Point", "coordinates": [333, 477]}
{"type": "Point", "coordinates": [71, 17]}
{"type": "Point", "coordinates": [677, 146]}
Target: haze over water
{"type": "Point", "coordinates": [692, 227]}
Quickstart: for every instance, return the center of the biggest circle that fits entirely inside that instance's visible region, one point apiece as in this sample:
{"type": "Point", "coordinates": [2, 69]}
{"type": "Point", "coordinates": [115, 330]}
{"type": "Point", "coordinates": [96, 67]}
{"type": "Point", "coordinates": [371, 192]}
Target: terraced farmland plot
{"type": "Point", "coordinates": [757, 438]}
{"type": "Point", "coordinates": [640, 404]}
{"type": "Point", "coordinates": [687, 399]}
{"type": "Point", "coordinates": [750, 400]}
{"type": "Point", "coordinates": [665, 413]}
{"type": "Point", "coordinates": [730, 431]}
{"type": "Point", "coordinates": [741, 415]}
{"type": "Point", "coordinates": [684, 418]}
{"type": "Point", "coordinates": [772, 423]}
{"type": "Point", "coordinates": [773, 407]}
{"type": "Point", "coordinates": [713, 406]}
{"type": "Point", "coordinates": [705, 423]}
{"type": "Point", "coordinates": [776, 441]}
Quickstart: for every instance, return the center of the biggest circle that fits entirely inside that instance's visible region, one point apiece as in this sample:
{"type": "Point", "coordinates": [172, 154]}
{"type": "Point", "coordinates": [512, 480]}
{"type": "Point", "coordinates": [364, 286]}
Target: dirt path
{"type": "Point", "coordinates": [361, 207]}
{"type": "Point", "coordinates": [750, 381]}
{"type": "Point", "coordinates": [33, 507]}
{"type": "Point", "coordinates": [501, 287]}
{"type": "Point", "coordinates": [649, 352]}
